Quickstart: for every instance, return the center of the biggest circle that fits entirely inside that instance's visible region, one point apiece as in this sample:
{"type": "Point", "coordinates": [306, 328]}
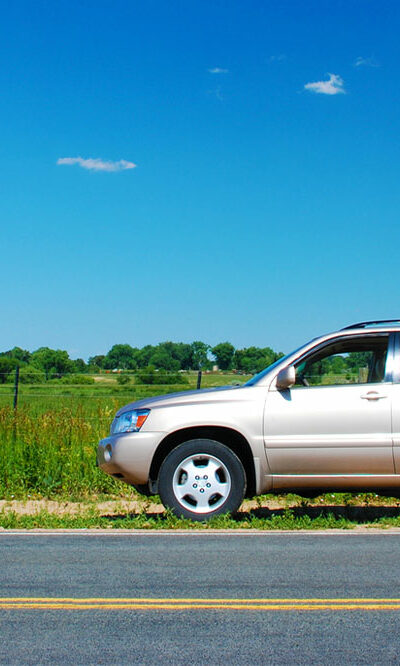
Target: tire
{"type": "Point", "coordinates": [143, 489]}
{"type": "Point", "coordinates": [200, 479]}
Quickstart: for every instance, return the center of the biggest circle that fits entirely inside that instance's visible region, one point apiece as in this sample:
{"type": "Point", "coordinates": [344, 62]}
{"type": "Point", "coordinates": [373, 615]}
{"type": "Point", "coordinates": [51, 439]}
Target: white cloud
{"type": "Point", "coordinates": [96, 164]}
{"type": "Point", "coordinates": [367, 62]}
{"type": "Point", "coordinates": [277, 58]}
{"type": "Point", "coordinates": [333, 86]}
{"type": "Point", "coordinates": [218, 70]}
{"type": "Point", "coordinates": [217, 92]}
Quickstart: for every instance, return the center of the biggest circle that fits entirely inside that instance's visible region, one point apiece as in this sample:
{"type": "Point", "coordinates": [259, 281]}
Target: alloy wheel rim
{"type": "Point", "coordinates": [201, 483]}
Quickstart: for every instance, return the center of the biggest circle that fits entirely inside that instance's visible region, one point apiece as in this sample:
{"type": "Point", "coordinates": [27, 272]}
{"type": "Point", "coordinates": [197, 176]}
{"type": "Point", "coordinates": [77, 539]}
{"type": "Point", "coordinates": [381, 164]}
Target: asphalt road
{"type": "Point", "coordinates": [200, 599]}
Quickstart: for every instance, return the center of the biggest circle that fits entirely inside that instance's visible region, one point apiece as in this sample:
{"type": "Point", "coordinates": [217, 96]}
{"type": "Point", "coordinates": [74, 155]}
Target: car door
{"type": "Point", "coordinates": [396, 404]}
{"type": "Point", "coordinates": [334, 423]}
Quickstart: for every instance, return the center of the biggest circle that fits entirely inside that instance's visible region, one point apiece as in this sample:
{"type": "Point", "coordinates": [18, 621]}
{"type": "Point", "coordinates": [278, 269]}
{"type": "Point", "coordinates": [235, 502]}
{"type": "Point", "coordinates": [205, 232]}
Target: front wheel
{"type": "Point", "coordinates": [202, 478]}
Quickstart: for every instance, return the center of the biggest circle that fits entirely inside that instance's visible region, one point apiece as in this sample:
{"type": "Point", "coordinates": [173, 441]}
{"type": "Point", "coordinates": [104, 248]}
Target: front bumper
{"type": "Point", "coordinates": [128, 456]}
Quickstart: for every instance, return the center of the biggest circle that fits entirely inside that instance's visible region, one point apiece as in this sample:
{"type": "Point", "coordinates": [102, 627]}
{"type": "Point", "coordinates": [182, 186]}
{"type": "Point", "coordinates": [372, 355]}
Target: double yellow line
{"type": "Point", "coordinates": [140, 603]}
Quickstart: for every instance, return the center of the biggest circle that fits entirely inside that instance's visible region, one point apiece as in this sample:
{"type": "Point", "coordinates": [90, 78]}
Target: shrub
{"type": "Point", "coordinates": [123, 380]}
{"type": "Point", "coordinates": [28, 374]}
{"type": "Point", "coordinates": [151, 376]}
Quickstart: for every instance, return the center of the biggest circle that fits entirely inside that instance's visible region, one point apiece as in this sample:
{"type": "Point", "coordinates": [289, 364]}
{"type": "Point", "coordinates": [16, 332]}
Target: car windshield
{"type": "Point", "coordinates": [260, 375]}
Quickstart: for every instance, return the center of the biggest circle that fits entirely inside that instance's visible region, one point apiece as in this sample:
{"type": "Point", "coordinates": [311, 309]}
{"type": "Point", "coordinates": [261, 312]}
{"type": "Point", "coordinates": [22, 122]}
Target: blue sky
{"type": "Point", "coordinates": [264, 205]}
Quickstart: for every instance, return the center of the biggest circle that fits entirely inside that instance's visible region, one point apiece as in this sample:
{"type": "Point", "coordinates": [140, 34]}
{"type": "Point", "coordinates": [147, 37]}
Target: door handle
{"type": "Point", "coordinates": [373, 395]}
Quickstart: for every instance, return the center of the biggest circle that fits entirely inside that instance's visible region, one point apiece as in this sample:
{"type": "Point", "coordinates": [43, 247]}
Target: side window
{"type": "Point", "coordinates": [349, 361]}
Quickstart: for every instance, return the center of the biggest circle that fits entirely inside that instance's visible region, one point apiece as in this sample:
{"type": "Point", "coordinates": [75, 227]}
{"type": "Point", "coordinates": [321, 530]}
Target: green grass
{"type": "Point", "coordinates": [91, 518]}
{"type": "Point", "coordinates": [105, 392]}
{"type": "Point", "coordinates": [48, 445]}
{"type": "Point", "coordinates": [48, 448]}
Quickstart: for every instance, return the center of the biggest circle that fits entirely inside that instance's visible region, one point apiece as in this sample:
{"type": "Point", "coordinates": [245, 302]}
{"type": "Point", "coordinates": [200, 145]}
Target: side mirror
{"type": "Point", "coordinates": [286, 378]}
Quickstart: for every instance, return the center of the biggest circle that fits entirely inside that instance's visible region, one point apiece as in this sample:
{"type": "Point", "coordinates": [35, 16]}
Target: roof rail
{"type": "Point", "coordinates": [364, 324]}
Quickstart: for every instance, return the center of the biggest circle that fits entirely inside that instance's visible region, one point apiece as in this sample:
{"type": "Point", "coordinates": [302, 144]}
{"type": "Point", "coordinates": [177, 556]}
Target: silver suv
{"type": "Point", "coordinates": [325, 417]}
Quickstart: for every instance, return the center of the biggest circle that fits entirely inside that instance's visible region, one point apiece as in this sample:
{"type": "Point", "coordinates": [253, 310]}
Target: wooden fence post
{"type": "Point", "coordinates": [16, 387]}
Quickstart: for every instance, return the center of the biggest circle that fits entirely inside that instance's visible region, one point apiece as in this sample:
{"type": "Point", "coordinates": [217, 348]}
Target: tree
{"type": "Point", "coordinates": [79, 365]}
{"type": "Point", "coordinates": [121, 356]}
{"type": "Point", "coordinates": [161, 359]}
{"type": "Point", "coordinates": [178, 351]}
{"type": "Point", "coordinates": [96, 361]}
{"type": "Point", "coordinates": [338, 365]}
{"type": "Point", "coordinates": [247, 359]}
{"type": "Point", "coordinates": [223, 354]}
{"type": "Point", "coordinates": [20, 355]}
{"type": "Point", "coordinates": [7, 365]}
{"type": "Point", "coordinates": [144, 356]}
{"type": "Point", "coordinates": [254, 359]}
{"type": "Point", "coordinates": [53, 362]}
{"type": "Point", "coordinates": [183, 353]}
{"type": "Point", "coordinates": [357, 360]}
{"type": "Point", "coordinates": [200, 354]}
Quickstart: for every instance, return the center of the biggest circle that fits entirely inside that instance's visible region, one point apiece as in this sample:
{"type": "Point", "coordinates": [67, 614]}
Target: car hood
{"type": "Point", "coordinates": [181, 398]}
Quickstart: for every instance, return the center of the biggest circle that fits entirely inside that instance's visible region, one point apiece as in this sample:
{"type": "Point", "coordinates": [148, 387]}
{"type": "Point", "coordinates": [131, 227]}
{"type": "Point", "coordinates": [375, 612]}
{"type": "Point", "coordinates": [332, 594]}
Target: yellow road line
{"type": "Point", "coordinates": [70, 603]}
{"type": "Point", "coordinates": [190, 600]}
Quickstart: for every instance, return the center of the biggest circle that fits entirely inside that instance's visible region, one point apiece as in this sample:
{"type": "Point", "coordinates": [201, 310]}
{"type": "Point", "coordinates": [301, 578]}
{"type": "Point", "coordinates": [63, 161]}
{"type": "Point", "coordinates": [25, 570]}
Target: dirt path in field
{"type": "Point", "coordinates": [357, 511]}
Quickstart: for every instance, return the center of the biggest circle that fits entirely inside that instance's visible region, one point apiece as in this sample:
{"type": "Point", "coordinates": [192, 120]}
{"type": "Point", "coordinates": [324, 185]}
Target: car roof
{"type": "Point", "coordinates": [379, 323]}
{"type": "Point", "coordinates": [378, 327]}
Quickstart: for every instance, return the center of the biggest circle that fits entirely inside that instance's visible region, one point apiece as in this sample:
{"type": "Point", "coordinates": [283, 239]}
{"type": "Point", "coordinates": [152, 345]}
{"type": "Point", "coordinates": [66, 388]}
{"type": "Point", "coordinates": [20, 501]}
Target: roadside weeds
{"type": "Point", "coordinates": [261, 513]}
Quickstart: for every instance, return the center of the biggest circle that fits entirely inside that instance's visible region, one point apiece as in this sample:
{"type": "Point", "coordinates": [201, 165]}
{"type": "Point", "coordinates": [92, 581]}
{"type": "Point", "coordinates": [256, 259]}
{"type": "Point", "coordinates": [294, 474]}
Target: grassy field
{"type": "Point", "coordinates": [48, 445]}
{"type": "Point", "coordinates": [107, 390]}
{"type": "Point", "coordinates": [47, 452]}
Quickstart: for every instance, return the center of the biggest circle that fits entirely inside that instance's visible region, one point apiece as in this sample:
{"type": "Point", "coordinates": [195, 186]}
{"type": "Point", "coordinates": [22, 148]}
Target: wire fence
{"type": "Point", "coordinates": [106, 386]}
{"type": "Point", "coordinates": [109, 374]}
{"type": "Point", "coordinates": [49, 431]}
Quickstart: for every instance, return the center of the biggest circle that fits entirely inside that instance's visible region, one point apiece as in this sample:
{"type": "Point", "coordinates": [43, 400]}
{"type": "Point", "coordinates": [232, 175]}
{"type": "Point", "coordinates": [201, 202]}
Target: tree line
{"type": "Point", "coordinates": [45, 364]}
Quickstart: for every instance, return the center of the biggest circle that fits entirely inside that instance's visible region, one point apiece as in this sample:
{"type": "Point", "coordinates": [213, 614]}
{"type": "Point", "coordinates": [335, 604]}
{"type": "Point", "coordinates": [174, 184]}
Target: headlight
{"type": "Point", "coordinates": [129, 421]}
